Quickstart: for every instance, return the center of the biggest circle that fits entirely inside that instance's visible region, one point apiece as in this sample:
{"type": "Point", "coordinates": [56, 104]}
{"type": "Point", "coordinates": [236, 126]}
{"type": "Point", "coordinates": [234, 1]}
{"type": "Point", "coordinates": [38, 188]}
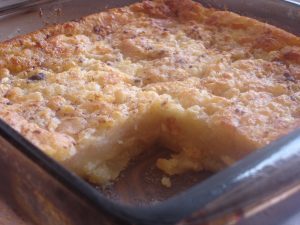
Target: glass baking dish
{"type": "Point", "coordinates": [42, 191]}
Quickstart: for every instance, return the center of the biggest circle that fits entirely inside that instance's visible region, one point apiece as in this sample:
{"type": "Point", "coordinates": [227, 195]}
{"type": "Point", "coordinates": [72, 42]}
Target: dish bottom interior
{"type": "Point", "coordinates": [142, 183]}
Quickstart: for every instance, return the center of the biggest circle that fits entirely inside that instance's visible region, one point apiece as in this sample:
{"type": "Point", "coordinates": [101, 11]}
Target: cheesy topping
{"type": "Point", "coordinates": [210, 85]}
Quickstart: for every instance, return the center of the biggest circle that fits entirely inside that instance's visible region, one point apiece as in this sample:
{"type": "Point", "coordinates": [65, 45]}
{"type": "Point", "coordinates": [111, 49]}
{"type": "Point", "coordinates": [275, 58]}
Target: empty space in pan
{"type": "Point", "coordinates": [141, 183]}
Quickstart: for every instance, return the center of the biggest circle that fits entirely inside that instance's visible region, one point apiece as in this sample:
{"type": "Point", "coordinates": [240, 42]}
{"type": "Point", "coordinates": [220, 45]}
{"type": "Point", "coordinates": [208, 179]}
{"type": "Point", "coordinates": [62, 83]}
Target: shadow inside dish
{"type": "Point", "coordinates": [141, 182]}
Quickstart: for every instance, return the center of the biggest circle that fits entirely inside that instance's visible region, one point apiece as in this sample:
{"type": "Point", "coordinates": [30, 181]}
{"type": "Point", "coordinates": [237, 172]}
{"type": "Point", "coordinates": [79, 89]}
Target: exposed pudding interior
{"type": "Point", "coordinates": [209, 85]}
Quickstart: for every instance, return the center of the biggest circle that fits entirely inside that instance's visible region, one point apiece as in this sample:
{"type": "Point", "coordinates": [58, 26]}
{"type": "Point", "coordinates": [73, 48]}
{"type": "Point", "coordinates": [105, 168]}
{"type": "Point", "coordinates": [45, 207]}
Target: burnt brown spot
{"type": "Point", "coordinates": [293, 98]}
{"type": "Point", "coordinates": [37, 77]}
{"type": "Point", "coordinates": [289, 77]}
{"type": "Point", "coordinates": [97, 29]}
{"type": "Point", "coordinates": [36, 131]}
{"type": "Point", "coordinates": [101, 30]}
{"type": "Point", "coordinates": [164, 103]}
{"type": "Point", "coordinates": [47, 36]}
{"type": "Point", "coordinates": [137, 82]}
{"type": "Point", "coordinates": [239, 111]}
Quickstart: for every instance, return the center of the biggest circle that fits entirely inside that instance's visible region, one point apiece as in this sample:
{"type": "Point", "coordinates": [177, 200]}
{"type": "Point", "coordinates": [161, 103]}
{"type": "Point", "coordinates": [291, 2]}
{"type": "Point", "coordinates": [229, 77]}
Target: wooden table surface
{"type": "Point", "coordinates": [8, 216]}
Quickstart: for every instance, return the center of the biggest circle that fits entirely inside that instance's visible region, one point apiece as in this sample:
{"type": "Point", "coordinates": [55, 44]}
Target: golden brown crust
{"type": "Point", "coordinates": [209, 84]}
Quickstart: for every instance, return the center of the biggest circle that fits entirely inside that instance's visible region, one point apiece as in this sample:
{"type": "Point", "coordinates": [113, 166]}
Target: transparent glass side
{"type": "Point", "coordinates": [27, 18]}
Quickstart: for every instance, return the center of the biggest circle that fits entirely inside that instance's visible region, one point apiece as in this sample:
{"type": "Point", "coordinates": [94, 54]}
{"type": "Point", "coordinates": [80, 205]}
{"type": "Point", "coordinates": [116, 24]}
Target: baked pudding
{"type": "Point", "coordinates": [211, 86]}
